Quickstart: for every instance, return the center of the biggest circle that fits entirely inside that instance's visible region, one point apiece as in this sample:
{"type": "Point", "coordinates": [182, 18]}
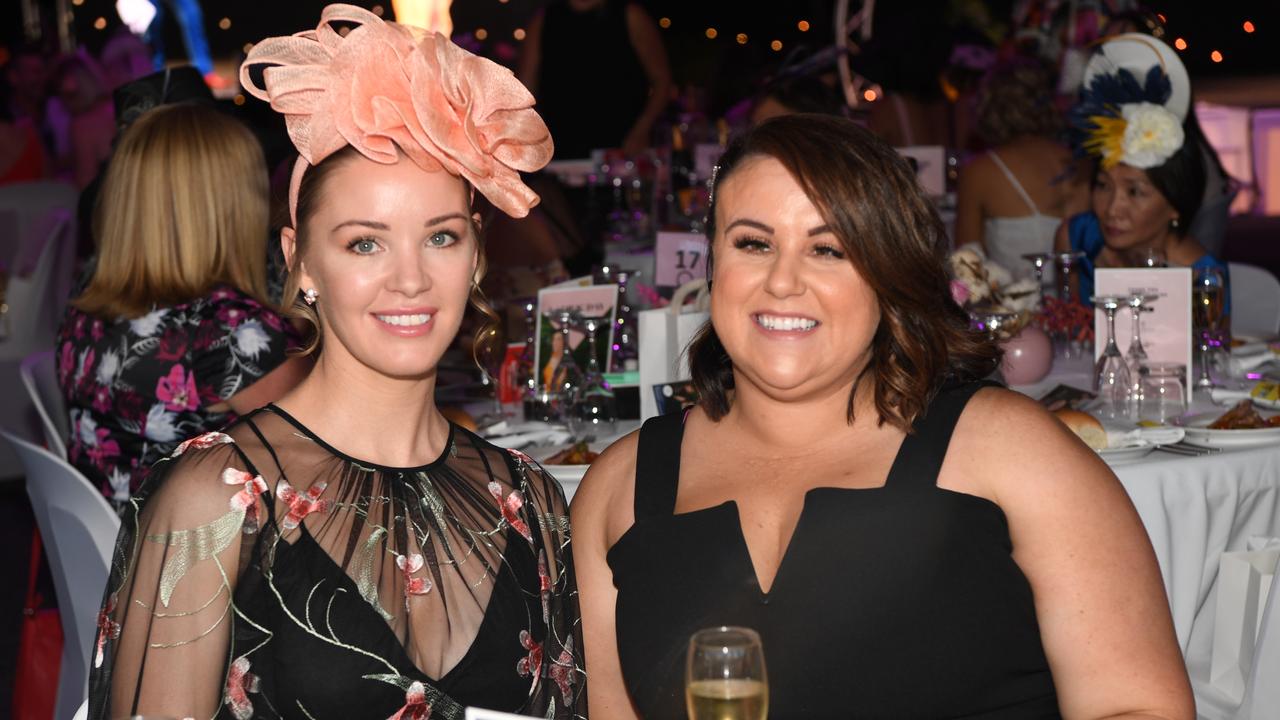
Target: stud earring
{"type": "Point", "coordinates": [1174, 223]}
{"type": "Point", "coordinates": [310, 296]}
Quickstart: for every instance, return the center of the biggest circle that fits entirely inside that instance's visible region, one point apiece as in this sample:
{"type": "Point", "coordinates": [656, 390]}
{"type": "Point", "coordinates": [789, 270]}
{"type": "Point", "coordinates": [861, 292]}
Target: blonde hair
{"type": "Point", "coordinates": [183, 208]}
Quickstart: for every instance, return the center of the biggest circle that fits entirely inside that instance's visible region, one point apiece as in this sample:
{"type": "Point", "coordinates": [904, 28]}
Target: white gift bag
{"type": "Point", "coordinates": [664, 335]}
{"type": "Point", "coordinates": [1244, 582]}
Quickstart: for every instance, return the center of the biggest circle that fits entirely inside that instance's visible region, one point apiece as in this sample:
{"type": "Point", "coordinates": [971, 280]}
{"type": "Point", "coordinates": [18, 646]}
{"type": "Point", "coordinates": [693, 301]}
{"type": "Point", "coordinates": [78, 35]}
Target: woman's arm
{"type": "Point", "coordinates": [969, 213]}
{"type": "Point", "coordinates": [1100, 601]}
{"type": "Point", "coordinates": [645, 40]}
{"type": "Point", "coordinates": [603, 498]}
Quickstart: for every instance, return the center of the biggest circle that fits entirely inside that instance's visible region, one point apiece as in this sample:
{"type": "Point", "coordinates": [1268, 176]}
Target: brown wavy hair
{"type": "Point", "coordinates": [890, 231]}
{"type": "Point", "coordinates": [310, 195]}
{"type": "Point", "coordinates": [1017, 100]}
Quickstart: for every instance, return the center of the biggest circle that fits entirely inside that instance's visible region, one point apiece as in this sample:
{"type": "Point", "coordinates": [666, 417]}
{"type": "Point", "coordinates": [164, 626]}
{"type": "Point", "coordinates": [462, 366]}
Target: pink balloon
{"type": "Point", "coordinates": [1028, 356]}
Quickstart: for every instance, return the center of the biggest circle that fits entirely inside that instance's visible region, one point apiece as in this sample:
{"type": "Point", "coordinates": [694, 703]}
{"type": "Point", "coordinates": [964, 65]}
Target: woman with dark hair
{"type": "Point", "coordinates": [908, 541]}
{"type": "Point", "coordinates": [1149, 171]}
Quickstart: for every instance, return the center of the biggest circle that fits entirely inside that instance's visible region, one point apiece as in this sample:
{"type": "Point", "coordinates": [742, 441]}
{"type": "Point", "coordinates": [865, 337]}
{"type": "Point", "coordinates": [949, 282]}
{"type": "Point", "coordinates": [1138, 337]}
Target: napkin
{"type": "Point", "coordinates": [1155, 435]}
{"type": "Point", "coordinates": [1265, 394]}
{"type": "Point", "coordinates": [518, 435]}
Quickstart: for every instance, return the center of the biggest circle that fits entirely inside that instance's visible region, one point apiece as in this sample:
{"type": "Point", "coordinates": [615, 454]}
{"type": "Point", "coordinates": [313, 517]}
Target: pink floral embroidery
{"type": "Point", "coordinates": [520, 456]}
{"type": "Point", "coordinates": [410, 564]}
{"type": "Point", "coordinates": [108, 629]}
{"type": "Point", "coordinates": [416, 706]}
{"type": "Point", "coordinates": [562, 669]}
{"type": "Point", "coordinates": [241, 682]}
{"type": "Point", "coordinates": [246, 499]}
{"type": "Point", "coordinates": [511, 509]}
{"type": "Point", "coordinates": [531, 664]}
{"type": "Point", "coordinates": [201, 442]}
{"type": "Point", "coordinates": [178, 390]}
{"type": "Point", "coordinates": [301, 504]}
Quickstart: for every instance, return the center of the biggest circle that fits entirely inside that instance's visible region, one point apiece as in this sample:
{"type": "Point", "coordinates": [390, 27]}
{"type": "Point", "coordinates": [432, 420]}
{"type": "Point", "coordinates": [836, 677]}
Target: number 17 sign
{"type": "Point", "coordinates": [678, 258]}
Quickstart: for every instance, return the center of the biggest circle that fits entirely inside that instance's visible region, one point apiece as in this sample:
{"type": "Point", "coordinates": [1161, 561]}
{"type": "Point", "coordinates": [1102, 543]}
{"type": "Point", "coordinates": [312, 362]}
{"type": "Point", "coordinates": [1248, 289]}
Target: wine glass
{"type": "Point", "coordinates": [526, 374]}
{"type": "Point", "coordinates": [725, 677]}
{"type": "Point", "coordinates": [1111, 373]}
{"type": "Point", "coordinates": [1039, 261]}
{"type": "Point", "coordinates": [1150, 257]}
{"type": "Point", "coordinates": [563, 376]}
{"type": "Point", "coordinates": [594, 413]}
{"type": "Point", "coordinates": [626, 353]}
{"type": "Point", "coordinates": [1208, 296]}
{"type": "Point", "coordinates": [1063, 264]}
{"type": "Point", "coordinates": [1136, 355]}
{"type": "Point", "coordinates": [490, 354]}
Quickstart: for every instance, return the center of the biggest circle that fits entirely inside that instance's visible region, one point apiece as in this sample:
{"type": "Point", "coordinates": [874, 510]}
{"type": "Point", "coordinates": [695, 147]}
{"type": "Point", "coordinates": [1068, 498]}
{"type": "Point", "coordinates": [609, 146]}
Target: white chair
{"type": "Point", "coordinates": [1255, 300]}
{"type": "Point", "coordinates": [41, 379]}
{"type": "Point", "coordinates": [79, 531]}
{"type": "Point", "coordinates": [1262, 696]}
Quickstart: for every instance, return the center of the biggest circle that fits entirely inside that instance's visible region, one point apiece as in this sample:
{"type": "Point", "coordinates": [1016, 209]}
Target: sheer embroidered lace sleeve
{"type": "Point", "coordinates": [164, 633]}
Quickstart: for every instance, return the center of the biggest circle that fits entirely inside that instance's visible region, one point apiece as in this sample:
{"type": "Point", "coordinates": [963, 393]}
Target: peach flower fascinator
{"type": "Point", "coordinates": [384, 87]}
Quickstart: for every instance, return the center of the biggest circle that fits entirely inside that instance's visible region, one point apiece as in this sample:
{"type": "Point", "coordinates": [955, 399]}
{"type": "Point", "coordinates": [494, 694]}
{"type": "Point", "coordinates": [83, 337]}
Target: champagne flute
{"type": "Point", "coordinates": [1208, 297]}
{"type": "Point", "coordinates": [725, 677]}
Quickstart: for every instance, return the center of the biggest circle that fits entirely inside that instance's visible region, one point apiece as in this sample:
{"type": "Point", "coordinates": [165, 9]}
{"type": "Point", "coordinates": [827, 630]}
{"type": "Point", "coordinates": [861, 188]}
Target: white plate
{"type": "Point", "coordinates": [1198, 432]}
{"type": "Point", "coordinates": [1134, 450]}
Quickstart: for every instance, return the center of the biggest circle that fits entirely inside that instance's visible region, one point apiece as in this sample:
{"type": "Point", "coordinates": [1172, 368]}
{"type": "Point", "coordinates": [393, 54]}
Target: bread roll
{"type": "Point", "coordinates": [1085, 426]}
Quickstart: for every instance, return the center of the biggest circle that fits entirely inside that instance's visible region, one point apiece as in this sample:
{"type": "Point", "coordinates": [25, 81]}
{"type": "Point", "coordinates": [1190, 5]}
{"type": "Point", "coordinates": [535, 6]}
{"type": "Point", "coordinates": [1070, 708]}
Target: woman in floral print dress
{"type": "Point", "coordinates": [347, 552]}
{"type": "Point", "coordinates": [173, 335]}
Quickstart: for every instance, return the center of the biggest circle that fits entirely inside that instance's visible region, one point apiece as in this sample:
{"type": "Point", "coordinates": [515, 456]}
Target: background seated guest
{"type": "Point", "coordinates": [364, 557]}
{"type": "Point", "coordinates": [801, 94]}
{"type": "Point", "coordinates": [1148, 179]}
{"type": "Point", "coordinates": [908, 541]}
{"type": "Point", "coordinates": [173, 336]}
{"type": "Point", "coordinates": [83, 91]}
{"type": "Point", "coordinates": [1011, 199]}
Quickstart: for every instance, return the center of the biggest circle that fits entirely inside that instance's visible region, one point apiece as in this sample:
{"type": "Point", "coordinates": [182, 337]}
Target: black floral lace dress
{"type": "Point", "coordinates": [260, 573]}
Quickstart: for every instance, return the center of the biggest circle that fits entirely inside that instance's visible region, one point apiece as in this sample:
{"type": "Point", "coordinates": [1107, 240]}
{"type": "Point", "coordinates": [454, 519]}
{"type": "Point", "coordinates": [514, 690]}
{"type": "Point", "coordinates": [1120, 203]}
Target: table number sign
{"type": "Point", "coordinates": [678, 258]}
{"type": "Point", "coordinates": [1166, 328]}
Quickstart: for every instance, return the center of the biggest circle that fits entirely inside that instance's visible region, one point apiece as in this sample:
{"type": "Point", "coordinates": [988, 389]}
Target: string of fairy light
{"type": "Point", "coordinates": [712, 33]}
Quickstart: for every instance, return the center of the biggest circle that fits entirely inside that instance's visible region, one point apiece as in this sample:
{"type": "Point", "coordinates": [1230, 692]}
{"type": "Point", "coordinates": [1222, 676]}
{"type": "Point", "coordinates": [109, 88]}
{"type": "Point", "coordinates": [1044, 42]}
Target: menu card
{"type": "Point", "coordinates": [1166, 327]}
{"type": "Point", "coordinates": [593, 301]}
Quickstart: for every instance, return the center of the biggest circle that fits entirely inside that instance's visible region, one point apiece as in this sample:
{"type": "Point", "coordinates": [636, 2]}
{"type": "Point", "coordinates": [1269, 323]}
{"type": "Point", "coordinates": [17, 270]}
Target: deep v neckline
{"type": "Point", "coordinates": [745, 547]}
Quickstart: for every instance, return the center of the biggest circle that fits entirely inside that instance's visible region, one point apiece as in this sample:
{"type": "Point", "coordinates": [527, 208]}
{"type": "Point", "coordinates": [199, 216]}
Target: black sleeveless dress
{"type": "Point", "coordinates": [895, 602]}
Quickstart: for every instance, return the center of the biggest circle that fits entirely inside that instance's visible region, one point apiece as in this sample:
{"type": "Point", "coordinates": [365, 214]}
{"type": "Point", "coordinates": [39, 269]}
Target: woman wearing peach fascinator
{"type": "Point", "coordinates": [348, 552]}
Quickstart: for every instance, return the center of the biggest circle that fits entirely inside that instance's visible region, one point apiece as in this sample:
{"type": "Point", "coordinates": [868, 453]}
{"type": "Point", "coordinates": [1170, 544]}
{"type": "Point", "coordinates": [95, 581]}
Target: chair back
{"type": "Point", "coordinates": [79, 530]}
{"type": "Point", "coordinates": [37, 246]}
{"type": "Point", "coordinates": [41, 380]}
{"type": "Point", "coordinates": [1262, 695]}
{"type": "Point", "coordinates": [1255, 300]}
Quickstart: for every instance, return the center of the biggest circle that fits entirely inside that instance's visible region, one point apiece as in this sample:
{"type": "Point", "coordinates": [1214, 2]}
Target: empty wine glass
{"type": "Point", "coordinates": [1111, 373]}
{"type": "Point", "coordinates": [562, 376]}
{"type": "Point", "coordinates": [1063, 265]}
{"type": "Point", "coordinates": [1208, 296]}
{"type": "Point", "coordinates": [1150, 257]}
{"type": "Point", "coordinates": [1039, 262]}
{"type": "Point", "coordinates": [725, 676]}
{"type": "Point", "coordinates": [1136, 355]}
{"type": "Point", "coordinates": [594, 413]}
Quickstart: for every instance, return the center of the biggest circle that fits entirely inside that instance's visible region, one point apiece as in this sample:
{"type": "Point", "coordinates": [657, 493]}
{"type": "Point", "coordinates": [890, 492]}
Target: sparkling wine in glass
{"type": "Point", "coordinates": [1208, 299]}
{"type": "Point", "coordinates": [725, 677]}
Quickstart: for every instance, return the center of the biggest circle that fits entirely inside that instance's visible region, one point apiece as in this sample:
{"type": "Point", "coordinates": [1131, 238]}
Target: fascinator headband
{"type": "Point", "coordinates": [1135, 98]}
{"type": "Point", "coordinates": [386, 89]}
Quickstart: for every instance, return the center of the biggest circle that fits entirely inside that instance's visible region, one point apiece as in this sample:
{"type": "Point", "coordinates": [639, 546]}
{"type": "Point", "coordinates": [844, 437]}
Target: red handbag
{"type": "Point", "coordinates": [35, 685]}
